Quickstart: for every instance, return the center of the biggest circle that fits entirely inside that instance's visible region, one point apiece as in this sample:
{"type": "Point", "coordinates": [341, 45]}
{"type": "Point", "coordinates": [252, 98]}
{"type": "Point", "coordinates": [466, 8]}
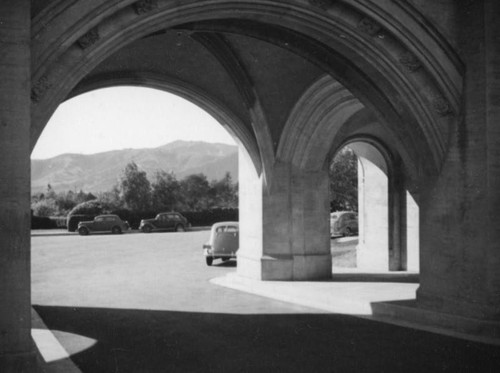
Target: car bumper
{"type": "Point", "coordinates": [214, 254]}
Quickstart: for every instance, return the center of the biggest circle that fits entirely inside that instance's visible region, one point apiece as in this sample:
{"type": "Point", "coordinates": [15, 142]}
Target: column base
{"type": "Point", "coordinates": [286, 267]}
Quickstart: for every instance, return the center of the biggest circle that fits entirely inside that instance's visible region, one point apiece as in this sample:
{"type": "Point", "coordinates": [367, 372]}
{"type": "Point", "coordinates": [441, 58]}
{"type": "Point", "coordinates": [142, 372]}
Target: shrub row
{"type": "Point", "coordinates": [61, 221]}
{"type": "Point", "coordinates": [73, 220]}
{"type": "Point", "coordinates": [196, 218]}
{"type": "Point", "coordinates": [38, 222]}
{"type": "Point", "coordinates": [209, 217]}
{"type": "Point", "coordinates": [134, 217]}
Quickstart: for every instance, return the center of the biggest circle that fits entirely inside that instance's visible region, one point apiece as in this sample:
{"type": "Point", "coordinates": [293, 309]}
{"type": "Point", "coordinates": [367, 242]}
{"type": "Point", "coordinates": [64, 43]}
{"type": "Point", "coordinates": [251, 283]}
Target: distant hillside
{"type": "Point", "coordinates": [99, 172]}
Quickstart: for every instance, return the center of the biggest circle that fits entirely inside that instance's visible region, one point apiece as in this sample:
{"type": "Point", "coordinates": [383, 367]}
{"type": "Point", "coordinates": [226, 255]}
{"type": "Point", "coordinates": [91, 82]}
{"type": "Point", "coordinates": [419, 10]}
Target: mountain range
{"type": "Point", "coordinates": [101, 171]}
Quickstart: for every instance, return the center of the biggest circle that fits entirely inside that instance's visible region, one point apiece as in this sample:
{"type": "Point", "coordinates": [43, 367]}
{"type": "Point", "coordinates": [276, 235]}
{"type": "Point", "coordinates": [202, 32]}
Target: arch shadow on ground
{"type": "Point", "coordinates": [128, 340]}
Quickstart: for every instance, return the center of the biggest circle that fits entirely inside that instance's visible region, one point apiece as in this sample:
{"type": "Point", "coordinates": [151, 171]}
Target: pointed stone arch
{"type": "Point", "coordinates": [408, 75]}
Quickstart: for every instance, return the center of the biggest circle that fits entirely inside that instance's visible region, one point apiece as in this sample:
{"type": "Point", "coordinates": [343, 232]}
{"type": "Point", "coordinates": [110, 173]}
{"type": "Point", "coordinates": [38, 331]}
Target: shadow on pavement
{"type": "Point", "coordinates": [165, 341]}
{"type": "Point", "coordinates": [412, 278]}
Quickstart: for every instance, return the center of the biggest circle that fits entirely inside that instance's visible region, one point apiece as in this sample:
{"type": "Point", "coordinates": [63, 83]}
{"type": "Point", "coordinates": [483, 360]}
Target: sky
{"type": "Point", "coordinates": [125, 117]}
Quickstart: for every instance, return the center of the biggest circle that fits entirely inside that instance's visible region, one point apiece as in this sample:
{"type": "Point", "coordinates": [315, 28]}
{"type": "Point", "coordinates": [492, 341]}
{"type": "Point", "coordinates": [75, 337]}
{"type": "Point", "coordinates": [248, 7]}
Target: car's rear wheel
{"type": "Point", "coordinates": [82, 231]}
{"type": "Point", "coordinates": [116, 230]}
{"type": "Point", "coordinates": [146, 229]}
{"type": "Point", "coordinates": [180, 228]}
{"type": "Point", "coordinates": [209, 260]}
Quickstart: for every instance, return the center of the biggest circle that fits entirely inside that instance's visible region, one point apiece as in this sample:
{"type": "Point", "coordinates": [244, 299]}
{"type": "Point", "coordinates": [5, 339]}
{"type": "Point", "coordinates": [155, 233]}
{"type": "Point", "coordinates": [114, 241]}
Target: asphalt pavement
{"type": "Point", "coordinates": [149, 303]}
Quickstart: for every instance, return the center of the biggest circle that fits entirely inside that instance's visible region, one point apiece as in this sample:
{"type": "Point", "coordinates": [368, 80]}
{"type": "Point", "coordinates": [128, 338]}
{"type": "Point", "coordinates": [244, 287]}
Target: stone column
{"type": "Point", "coordinates": [285, 227]}
{"type": "Point", "coordinates": [460, 210]}
{"type": "Point", "coordinates": [412, 257]}
{"type": "Point", "coordinates": [16, 346]}
{"type": "Point", "coordinates": [250, 217]}
{"type": "Point", "coordinates": [373, 192]}
{"type": "Point", "coordinates": [492, 93]}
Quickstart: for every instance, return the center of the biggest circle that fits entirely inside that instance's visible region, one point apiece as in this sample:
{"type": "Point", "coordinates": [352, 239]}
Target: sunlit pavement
{"type": "Point", "coordinates": [344, 295]}
{"type": "Point", "coordinates": [148, 303]}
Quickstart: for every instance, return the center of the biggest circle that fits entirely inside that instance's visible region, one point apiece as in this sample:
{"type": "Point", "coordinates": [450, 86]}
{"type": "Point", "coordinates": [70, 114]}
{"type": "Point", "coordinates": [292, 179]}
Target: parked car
{"type": "Point", "coordinates": [103, 223]}
{"type": "Point", "coordinates": [343, 223]}
{"type": "Point", "coordinates": [165, 221]}
{"type": "Point", "coordinates": [223, 243]}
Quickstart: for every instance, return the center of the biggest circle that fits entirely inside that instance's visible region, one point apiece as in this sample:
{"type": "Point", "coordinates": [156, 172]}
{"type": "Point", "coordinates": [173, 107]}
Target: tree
{"type": "Point", "coordinates": [344, 181]}
{"type": "Point", "coordinates": [166, 192]}
{"type": "Point", "coordinates": [65, 202]}
{"type": "Point", "coordinates": [135, 188]}
{"type": "Point", "coordinates": [81, 196]}
{"type": "Point", "coordinates": [135, 192]}
{"type": "Point", "coordinates": [224, 193]}
{"type": "Point", "coordinates": [51, 203]}
{"type": "Point", "coordinates": [111, 198]}
{"type": "Point", "coordinates": [51, 194]}
{"type": "Point", "coordinates": [196, 189]}
{"type": "Point", "coordinates": [44, 208]}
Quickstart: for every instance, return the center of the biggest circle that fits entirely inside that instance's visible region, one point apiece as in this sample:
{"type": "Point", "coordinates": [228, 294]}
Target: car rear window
{"type": "Point", "coordinates": [227, 228]}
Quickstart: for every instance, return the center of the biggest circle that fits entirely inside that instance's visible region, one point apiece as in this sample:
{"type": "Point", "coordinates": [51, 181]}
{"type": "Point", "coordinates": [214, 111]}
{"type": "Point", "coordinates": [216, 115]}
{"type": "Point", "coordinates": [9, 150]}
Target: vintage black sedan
{"type": "Point", "coordinates": [103, 223]}
{"type": "Point", "coordinates": [165, 221]}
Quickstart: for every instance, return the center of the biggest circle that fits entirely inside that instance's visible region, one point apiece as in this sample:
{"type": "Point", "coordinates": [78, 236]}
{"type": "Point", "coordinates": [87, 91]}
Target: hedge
{"type": "Point", "coordinates": [60, 221]}
{"type": "Point", "coordinates": [73, 221]}
{"type": "Point", "coordinates": [209, 217]}
{"type": "Point", "coordinates": [53, 222]}
{"type": "Point", "coordinates": [39, 222]}
{"type": "Point", "coordinates": [196, 218]}
{"type": "Point", "coordinates": [134, 217]}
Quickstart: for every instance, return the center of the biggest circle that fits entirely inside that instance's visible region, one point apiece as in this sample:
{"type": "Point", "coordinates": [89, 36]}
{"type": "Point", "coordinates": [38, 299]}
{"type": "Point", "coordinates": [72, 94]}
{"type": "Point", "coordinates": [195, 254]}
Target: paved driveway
{"type": "Point", "coordinates": [144, 303]}
{"type": "Point", "coordinates": [156, 271]}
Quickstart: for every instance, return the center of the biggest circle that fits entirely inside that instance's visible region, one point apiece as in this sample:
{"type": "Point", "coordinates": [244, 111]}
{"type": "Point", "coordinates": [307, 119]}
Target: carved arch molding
{"type": "Point", "coordinates": [393, 62]}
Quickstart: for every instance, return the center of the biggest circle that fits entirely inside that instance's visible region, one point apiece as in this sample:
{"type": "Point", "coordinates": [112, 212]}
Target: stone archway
{"type": "Point", "coordinates": [327, 118]}
{"type": "Point", "coordinates": [386, 65]}
{"type": "Point", "coordinates": [388, 214]}
{"type": "Point", "coordinates": [367, 54]}
{"type": "Point", "coordinates": [428, 87]}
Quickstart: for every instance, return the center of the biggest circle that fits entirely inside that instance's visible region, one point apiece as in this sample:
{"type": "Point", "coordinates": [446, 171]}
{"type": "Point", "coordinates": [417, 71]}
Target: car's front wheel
{"type": "Point", "coordinates": [116, 230]}
{"type": "Point", "coordinates": [146, 229]}
{"type": "Point", "coordinates": [180, 228]}
{"type": "Point", "coordinates": [209, 260]}
{"type": "Point", "coordinates": [82, 231]}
